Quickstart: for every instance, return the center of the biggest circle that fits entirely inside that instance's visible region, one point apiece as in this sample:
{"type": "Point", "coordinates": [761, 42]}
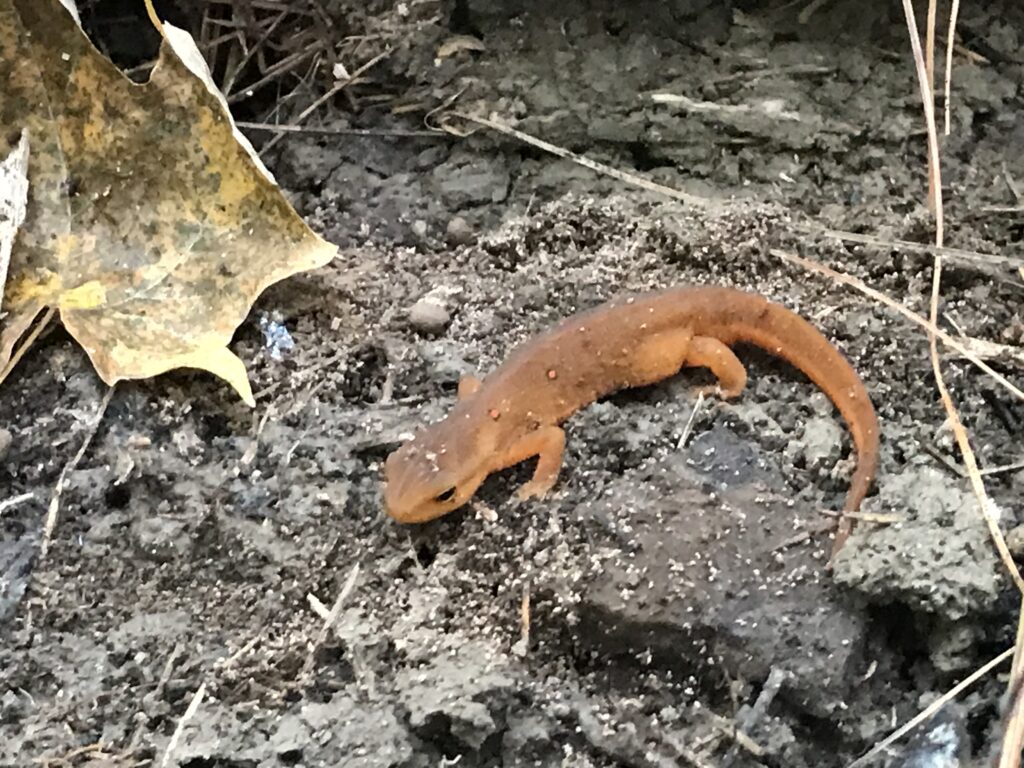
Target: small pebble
{"type": "Point", "coordinates": [429, 316]}
{"type": "Point", "coordinates": [459, 232]}
{"type": "Point", "coordinates": [419, 228]}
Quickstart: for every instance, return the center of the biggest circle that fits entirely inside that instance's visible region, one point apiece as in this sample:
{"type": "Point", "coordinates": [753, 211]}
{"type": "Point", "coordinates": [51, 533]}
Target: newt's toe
{"type": "Point", "coordinates": [532, 490]}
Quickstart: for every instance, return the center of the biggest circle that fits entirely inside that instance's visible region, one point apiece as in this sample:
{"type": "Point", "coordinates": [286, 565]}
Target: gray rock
{"type": "Point", "coordinates": [939, 559]}
{"type": "Point", "coordinates": [465, 694]}
{"type": "Point", "coordinates": [465, 182]}
{"type": "Point", "coordinates": [341, 731]}
{"type": "Point", "coordinates": [700, 578]}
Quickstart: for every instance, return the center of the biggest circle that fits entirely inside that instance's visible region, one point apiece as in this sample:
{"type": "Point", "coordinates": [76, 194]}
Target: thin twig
{"type": "Point", "coordinates": [878, 518]}
{"type": "Point", "coordinates": [1004, 354]}
{"type": "Point", "coordinates": [684, 752]}
{"type": "Point", "coordinates": [730, 729]}
{"type": "Point", "coordinates": [209, 46]}
{"type": "Point", "coordinates": [1011, 184]}
{"type": "Point", "coordinates": [749, 76]}
{"type": "Point", "coordinates": [51, 514]}
{"type": "Point", "coordinates": [330, 618]}
{"type": "Point", "coordinates": [586, 162]}
{"type": "Point", "coordinates": [1013, 736]}
{"type": "Point", "coordinates": [156, 695]}
{"type": "Point", "coordinates": [193, 707]}
{"type": "Point", "coordinates": [153, 18]}
{"type": "Point", "coordinates": [94, 751]}
{"type": "Point", "coordinates": [1003, 469]}
{"type": "Point", "coordinates": [688, 428]}
{"type": "Point", "coordinates": [929, 53]}
{"type": "Point", "coordinates": [745, 722]}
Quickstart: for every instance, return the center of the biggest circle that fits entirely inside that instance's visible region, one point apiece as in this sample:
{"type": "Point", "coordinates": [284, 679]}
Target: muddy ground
{"type": "Point", "coordinates": [196, 536]}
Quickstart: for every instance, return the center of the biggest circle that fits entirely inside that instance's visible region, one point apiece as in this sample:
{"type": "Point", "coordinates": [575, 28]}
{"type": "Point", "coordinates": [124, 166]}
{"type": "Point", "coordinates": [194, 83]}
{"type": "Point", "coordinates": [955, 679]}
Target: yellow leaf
{"type": "Point", "coordinates": [149, 226]}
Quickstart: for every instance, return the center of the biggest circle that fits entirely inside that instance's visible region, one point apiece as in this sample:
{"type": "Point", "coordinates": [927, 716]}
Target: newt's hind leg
{"type": "Point", "coordinates": [547, 444]}
{"type": "Point", "coordinates": [659, 356]}
{"type": "Point", "coordinates": [708, 352]}
{"type": "Point", "coordinates": [663, 354]}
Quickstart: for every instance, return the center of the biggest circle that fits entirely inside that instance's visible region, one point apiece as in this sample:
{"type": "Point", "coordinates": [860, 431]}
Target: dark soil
{"type": "Point", "coordinates": [197, 538]}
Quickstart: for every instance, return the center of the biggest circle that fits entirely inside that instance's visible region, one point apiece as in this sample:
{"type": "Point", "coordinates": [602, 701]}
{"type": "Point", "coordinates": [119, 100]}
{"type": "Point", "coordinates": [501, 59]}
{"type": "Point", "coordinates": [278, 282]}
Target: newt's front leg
{"type": "Point", "coordinates": [547, 444]}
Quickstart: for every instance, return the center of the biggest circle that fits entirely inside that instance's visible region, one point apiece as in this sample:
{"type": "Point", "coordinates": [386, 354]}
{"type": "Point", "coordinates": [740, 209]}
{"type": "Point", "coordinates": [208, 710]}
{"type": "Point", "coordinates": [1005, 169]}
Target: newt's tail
{"type": "Point", "coordinates": [784, 333]}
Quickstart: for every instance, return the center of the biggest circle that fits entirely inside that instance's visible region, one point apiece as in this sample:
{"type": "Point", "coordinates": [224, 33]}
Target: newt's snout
{"type": "Point", "coordinates": [418, 489]}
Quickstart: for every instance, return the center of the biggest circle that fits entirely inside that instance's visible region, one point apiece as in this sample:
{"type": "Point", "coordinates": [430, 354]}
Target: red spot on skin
{"type": "Point", "coordinates": [552, 374]}
{"type": "Point", "coordinates": [494, 413]}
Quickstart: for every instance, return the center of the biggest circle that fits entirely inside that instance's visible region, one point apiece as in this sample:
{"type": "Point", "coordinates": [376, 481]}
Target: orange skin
{"type": "Point", "coordinates": [514, 413]}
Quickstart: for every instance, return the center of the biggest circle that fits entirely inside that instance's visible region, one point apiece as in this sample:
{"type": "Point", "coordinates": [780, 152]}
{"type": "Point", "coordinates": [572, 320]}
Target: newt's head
{"type": "Point", "coordinates": [433, 474]}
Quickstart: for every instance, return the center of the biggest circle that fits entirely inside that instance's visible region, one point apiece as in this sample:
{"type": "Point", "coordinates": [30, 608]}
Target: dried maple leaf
{"type": "Point", "coordinates": [149, 228]}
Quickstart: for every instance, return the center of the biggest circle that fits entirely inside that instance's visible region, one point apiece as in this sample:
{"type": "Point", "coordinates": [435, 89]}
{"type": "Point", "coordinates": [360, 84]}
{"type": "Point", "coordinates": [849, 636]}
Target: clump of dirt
{"type": "Point", "coordinates": [673, 586]}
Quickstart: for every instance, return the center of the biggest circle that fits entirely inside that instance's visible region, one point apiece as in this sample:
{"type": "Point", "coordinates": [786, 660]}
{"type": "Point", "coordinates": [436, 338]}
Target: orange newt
{"type": "Point", "coordinates": [515, 412]}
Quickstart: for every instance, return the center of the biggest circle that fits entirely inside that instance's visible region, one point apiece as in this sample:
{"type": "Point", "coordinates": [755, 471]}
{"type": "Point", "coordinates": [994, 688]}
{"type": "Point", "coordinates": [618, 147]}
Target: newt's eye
{"type": "Point", "coordinates": [446, 496]}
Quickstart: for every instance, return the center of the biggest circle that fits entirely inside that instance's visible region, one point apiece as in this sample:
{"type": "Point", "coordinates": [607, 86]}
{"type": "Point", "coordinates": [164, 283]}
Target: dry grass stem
{"type": "Point", "coordinates": [954, 11]}
{"type": "Point", "coordinates": [370, 132]}
{"type": "Point", "coordinates": [934, 203]}
{"type": "Point", "coordinates": [928, 102]}
{"type": "Point", "coordinates": [952, 255]}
